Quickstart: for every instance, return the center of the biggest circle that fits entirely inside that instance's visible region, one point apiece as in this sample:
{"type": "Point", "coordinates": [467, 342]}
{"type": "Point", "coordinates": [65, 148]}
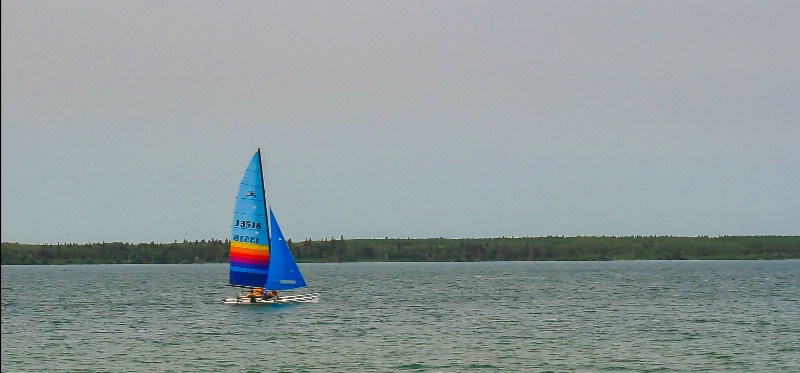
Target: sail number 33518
{"type": "Point", "coordinates": [247, 224]}
{"type": "Point", "coordinates": [246, 239]}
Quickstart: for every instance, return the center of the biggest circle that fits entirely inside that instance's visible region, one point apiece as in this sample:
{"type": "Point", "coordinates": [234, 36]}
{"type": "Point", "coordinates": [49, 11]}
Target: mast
{"type": "Point", "coordinates": [266, 207]}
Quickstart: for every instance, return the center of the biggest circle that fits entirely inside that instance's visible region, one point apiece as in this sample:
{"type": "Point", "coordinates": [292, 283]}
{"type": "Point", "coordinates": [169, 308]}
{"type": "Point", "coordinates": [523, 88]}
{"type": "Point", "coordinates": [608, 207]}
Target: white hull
{"type": "Point", "coordinates": [281, 299]}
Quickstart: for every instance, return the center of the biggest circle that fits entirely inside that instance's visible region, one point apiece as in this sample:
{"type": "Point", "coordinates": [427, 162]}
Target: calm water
{"type": "Point", "coordinates": [661, 316]}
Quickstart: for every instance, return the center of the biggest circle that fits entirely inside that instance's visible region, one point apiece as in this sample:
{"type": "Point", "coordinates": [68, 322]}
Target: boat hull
{"type": "Point", "coordinates": [282, 299]}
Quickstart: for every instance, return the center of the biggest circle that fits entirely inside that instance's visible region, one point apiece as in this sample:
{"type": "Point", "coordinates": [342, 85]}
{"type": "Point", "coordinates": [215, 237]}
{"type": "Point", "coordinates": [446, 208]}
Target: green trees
{"type": "Point", "coordinates": [423, 249]}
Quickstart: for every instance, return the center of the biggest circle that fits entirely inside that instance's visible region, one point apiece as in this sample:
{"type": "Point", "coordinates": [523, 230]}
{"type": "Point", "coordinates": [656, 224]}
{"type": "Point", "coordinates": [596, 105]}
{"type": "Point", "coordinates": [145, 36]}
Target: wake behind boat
{"type": "Point", "coordinates": [260, 261]}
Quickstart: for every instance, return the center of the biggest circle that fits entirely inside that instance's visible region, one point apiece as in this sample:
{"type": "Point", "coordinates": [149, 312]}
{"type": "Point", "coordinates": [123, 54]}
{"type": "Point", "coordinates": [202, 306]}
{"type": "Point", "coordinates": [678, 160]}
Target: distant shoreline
{"type": "Point", "coordinates": [550, 248]}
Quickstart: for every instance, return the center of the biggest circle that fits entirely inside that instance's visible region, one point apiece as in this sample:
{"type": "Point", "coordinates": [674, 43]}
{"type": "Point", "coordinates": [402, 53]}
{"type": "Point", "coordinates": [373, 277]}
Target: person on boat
{"type": "Point", "coordinates": [271, 294]}
{"type": "Point", "coordinates": [254, 294]}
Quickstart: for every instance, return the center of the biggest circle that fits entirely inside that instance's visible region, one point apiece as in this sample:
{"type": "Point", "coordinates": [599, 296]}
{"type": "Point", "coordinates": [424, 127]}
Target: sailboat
{"type": "Point", "coordinates": [259, 259]}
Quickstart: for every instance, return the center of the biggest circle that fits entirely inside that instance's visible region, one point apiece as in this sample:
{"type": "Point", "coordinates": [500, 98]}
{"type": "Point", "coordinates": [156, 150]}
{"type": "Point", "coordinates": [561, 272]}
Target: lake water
{"type": "Point", "coordinates": [638, 316]}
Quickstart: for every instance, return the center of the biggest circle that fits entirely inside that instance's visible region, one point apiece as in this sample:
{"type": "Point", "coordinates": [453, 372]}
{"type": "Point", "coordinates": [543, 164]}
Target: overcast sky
{"type": "Point", "coordinates": [133, 121]}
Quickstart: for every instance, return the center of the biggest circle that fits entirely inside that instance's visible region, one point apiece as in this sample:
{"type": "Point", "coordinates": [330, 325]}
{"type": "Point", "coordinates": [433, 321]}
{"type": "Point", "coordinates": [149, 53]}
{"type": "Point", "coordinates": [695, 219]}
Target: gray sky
{"type": "Point", "coordinates": [134, 120]}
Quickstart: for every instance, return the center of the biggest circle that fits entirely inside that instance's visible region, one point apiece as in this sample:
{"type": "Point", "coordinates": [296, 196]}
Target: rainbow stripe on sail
{"type": "Point", "coordinates": [249, 257]}
{"type": "Point", "coordinates": [249, 264]}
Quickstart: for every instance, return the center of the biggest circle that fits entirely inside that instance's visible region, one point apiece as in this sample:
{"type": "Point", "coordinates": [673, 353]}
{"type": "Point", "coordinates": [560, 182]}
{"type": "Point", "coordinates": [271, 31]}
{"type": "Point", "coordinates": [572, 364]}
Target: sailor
{"type": "Point", "coordinates": [254, 294]}
{"type": "Point", "coordinates": [271, 294]}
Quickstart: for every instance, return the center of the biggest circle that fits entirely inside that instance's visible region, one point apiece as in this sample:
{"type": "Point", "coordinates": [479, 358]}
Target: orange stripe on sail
{"type": "Point", "coordinates": [241, 250]}
{"type": "Point", "coordinates": [251, 246]}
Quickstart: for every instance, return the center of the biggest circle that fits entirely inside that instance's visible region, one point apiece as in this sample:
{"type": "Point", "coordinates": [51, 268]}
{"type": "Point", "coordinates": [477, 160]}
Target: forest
{"type": "Point", "coordinates": [549, 248]}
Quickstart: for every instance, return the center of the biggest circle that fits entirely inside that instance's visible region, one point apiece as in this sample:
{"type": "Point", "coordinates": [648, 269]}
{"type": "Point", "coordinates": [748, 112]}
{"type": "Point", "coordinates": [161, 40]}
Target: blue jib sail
{"type": "Point", "coordinates": [283, 271]}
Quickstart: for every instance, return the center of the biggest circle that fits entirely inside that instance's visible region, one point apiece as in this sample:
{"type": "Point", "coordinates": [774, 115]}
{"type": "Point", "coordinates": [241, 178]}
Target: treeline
{"type": "Point", "coordinates": [551, 248]}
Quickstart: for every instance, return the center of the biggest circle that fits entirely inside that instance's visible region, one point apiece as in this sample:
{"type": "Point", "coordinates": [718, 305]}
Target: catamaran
{"type": "Point", "coordinates": [259, 259]}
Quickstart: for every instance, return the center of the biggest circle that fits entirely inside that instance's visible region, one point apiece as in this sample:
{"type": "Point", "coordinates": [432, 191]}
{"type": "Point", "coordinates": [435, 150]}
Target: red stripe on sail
{"type": "Point", "coordinates": [255, 262]}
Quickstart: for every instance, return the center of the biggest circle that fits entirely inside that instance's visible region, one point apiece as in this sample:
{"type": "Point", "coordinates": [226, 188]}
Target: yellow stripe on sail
{"type": "Point", "coordinates": [249, 249]}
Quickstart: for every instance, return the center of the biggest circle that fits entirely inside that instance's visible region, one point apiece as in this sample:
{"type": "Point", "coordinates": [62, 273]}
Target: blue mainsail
{"type": "Point", "coordinates": [284, 273]}
{"type": "Point", "coordinates": [250, 254]}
